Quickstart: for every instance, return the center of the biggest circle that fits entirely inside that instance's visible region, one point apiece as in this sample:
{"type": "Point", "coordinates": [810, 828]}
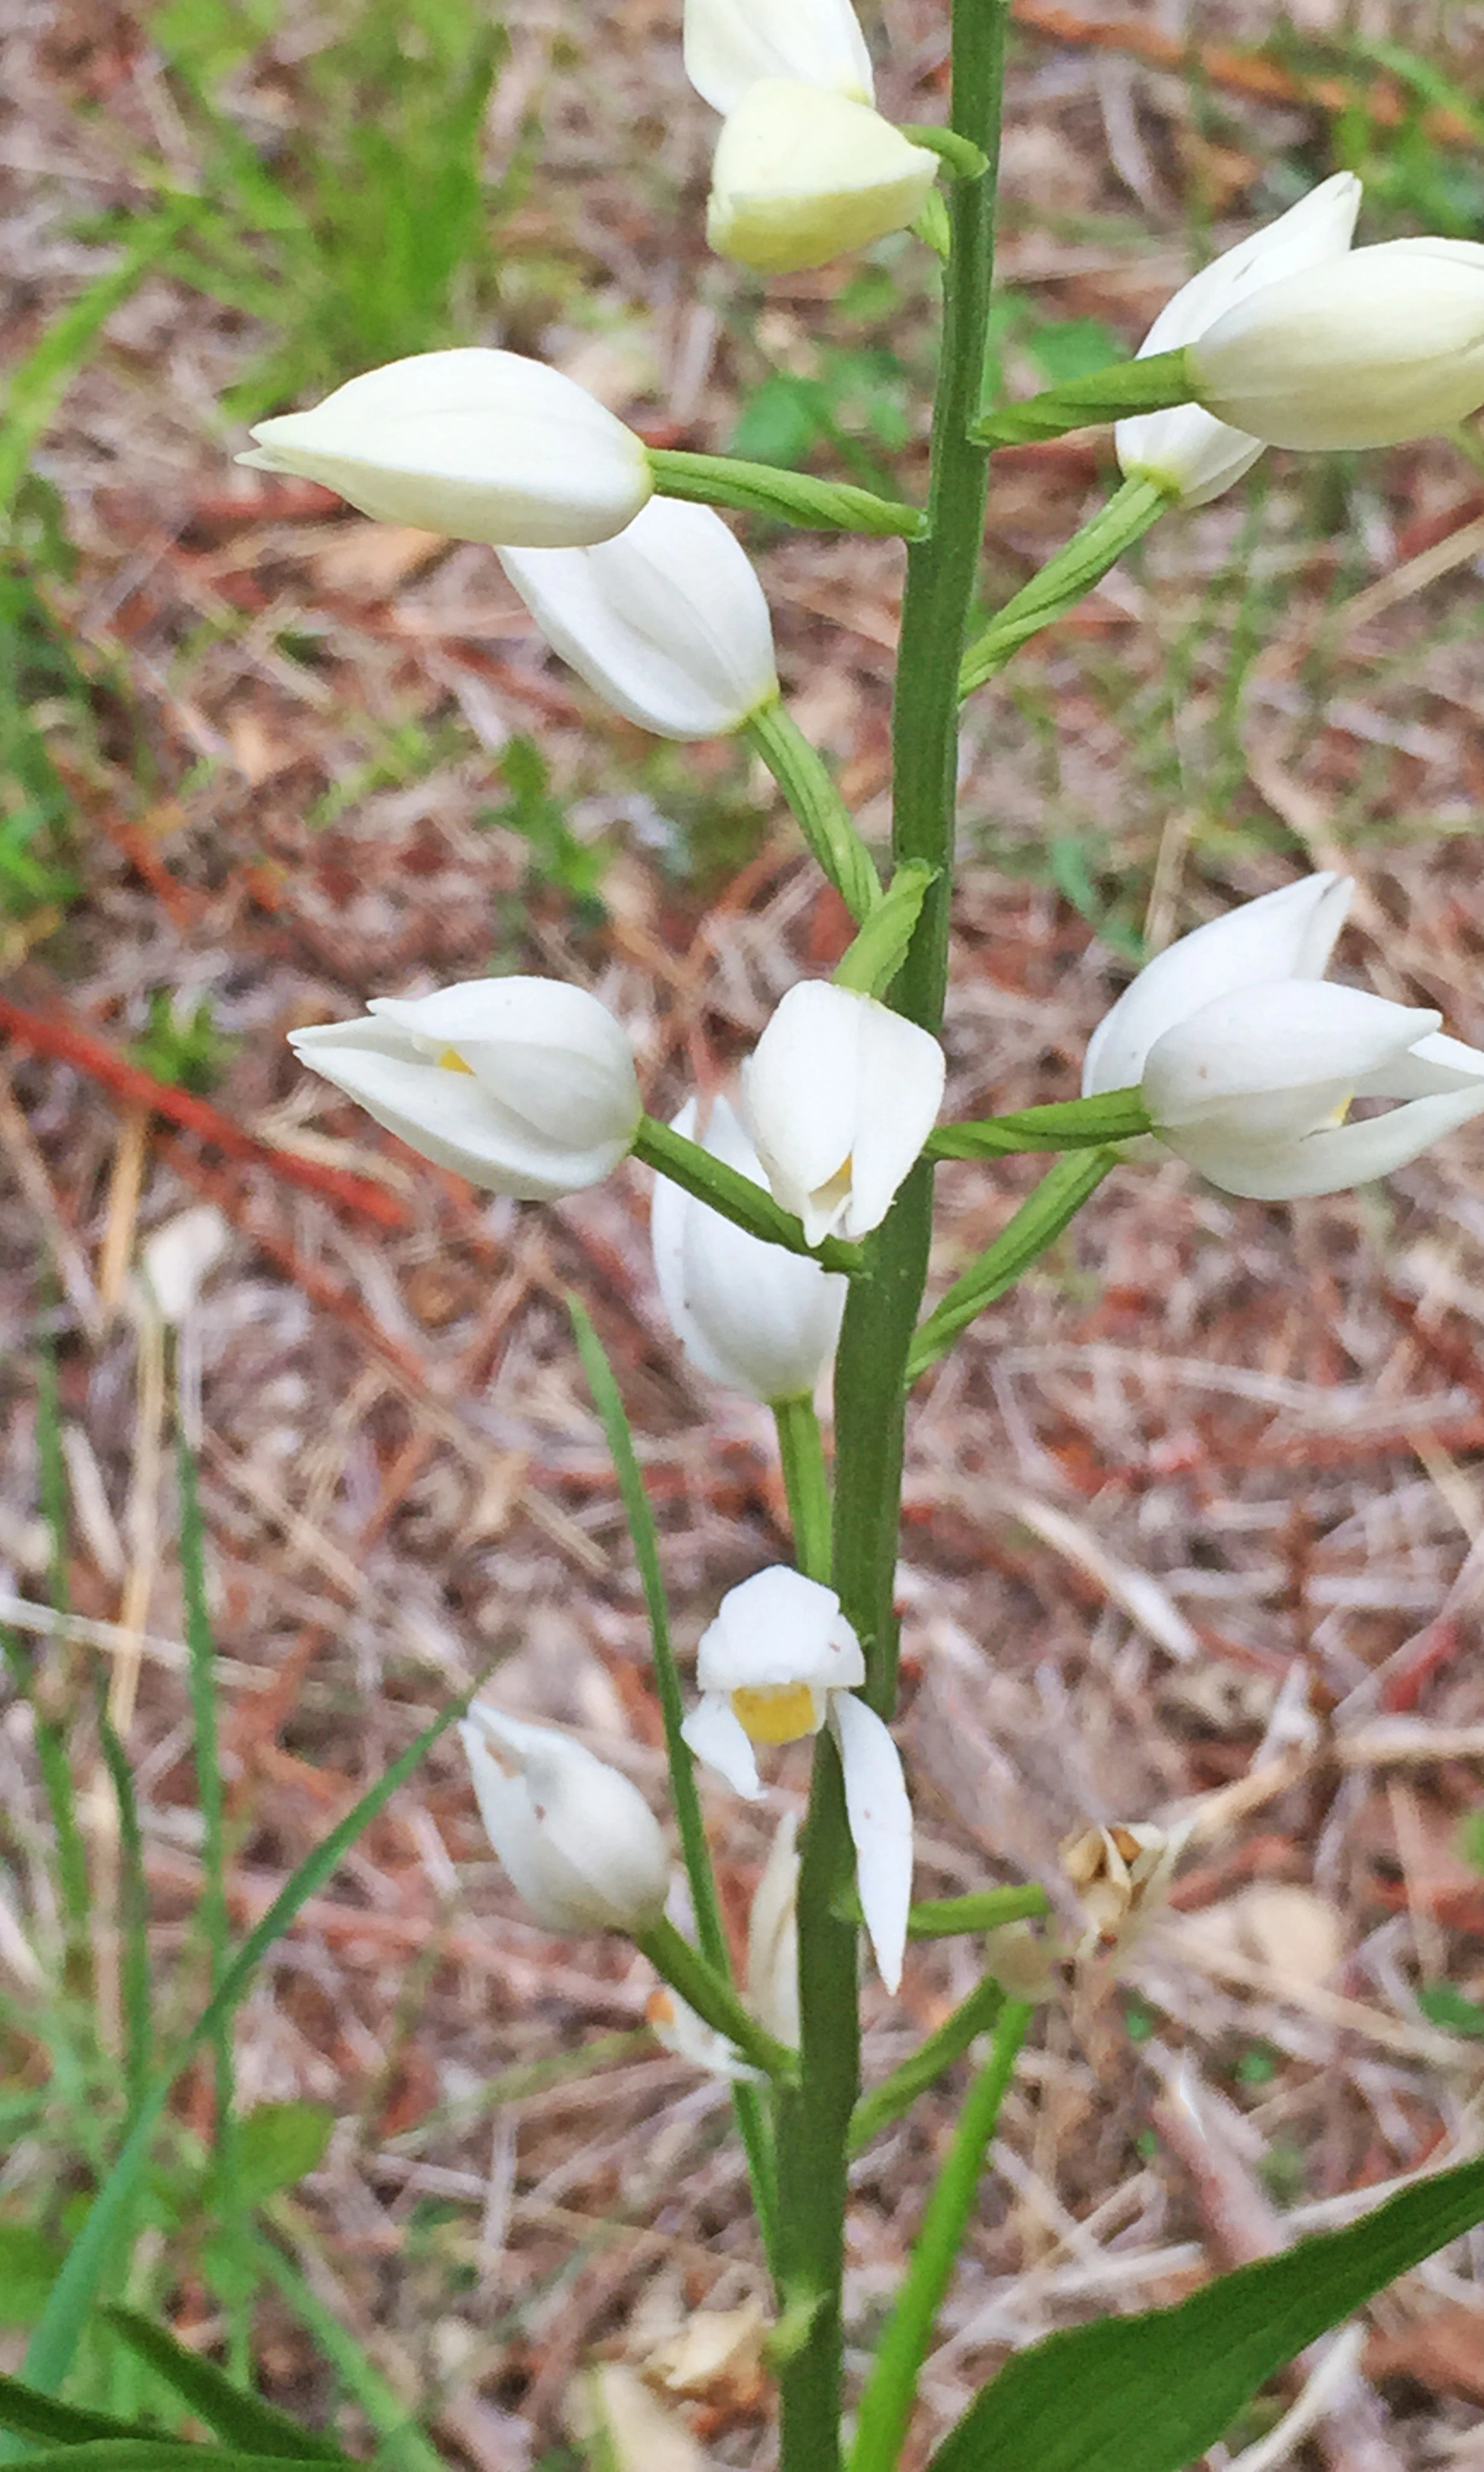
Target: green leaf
{"type": "Point", "coordinates": [1153, 2394]}
{"type": "Point", "coordinates": [30, 2263]}
{"type": "Point", "coordinates": [152, 2455]}
{"type": "Point", "coordinates": [280, 2142]}
{"type": "Point", "coordinates": [257, 2427]}
{"type": "Point", "coordinates": [29, 2414]}
{"type": "Point", "coordinates": [1442, 2005]}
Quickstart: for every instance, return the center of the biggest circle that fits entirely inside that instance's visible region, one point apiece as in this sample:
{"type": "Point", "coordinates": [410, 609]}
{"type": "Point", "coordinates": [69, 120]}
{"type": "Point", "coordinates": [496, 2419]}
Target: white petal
{"type": "Point", "coordinates": [1302, 1039]}
{"type": "Point", "coordinates": [773, 1939]}
{"type": "Point", "coordinates": [716, 1736]}
{"type": "Point", "coordinates": [666, 621]}
{"type": "Point", "coordinates": [1368, 350]}
{"type": "Point", "coordinates": [448, 1118]}
{"type": "Point", "coordinates": [550, 1056]}
{"type": "Point", "coordinates": [1284, 935]}
{"type": "Point", "coordinates": [799, 1090]}
{"type": "Point", "coordinates": [902, 1071]}
{"type": "Point", "coordinates": [578, 1841]}
{"type": "Point", "coordinates": [1434, 1066]}
{"type": "Point", "coordinates": [483, 445]}
{"type": "Point", "coordinates": [1336, 1158]}
{"type": "Point", "coordinates": [731, 44]}
{"type": "Point", "coordinates": [778, 1628]}
{"type": "Point", "coordinates": [881, 1824]}
{"type": "Point", "coordinates": [749, 1314]}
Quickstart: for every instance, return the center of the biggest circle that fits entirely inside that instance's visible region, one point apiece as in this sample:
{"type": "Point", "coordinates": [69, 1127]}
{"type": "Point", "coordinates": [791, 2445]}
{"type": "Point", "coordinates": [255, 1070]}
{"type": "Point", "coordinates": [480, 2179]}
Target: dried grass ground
{"type": "Point", "coordinates": [1197, 1514]}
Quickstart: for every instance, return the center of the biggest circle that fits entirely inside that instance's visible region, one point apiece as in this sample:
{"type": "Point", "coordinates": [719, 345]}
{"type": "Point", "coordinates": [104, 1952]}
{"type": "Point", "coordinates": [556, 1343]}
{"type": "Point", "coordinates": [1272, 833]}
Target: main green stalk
{"type": "Point", "coordinates": [814, 2121]}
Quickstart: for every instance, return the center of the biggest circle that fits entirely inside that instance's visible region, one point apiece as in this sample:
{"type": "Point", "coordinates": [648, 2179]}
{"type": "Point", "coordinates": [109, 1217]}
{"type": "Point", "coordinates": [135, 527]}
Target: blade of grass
{"type": "Point", "coordinates": [39, 383]}
{"type": "Point", "coordinates": [56, 1755]}
{"type": "Point", "coordinates": [50, 2353]}
{"type": "Point", "coordinates": [133, 1912]}
{"type": "Point", "coordinates": [211, 1913]}
{"type": "Point", "coordinates": [237, 2419]}
{"type": "Point", "coordinates": [751, 2118]}
{"type": "Point", "coordinates": [403, 2444]}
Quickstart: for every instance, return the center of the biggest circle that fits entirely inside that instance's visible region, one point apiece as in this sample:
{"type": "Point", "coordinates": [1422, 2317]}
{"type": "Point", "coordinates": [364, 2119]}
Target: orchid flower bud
{"type": "Point", "coordinates": [666, 621]}
{"type": "Point", "coordinates": [773, 1938]}
{"type": "Point", "coordinates": [1186, 452]}
{"type": "Point", "coordinates": [732, 44]}
{"type": "Point", "coordinates": [526, 1087]}
{"type": "Point", "coordinates": [801, 173]}
{"type": "Point", "coordinates": [779, 1661]}
{"type": "Point", "coordinates": [839, 1095]}
{"type": "Point", "coordinates": [482, 445]}
{"type": "Point", "coordinates": [747, 1314]}
{"type": "Point", "coordinates": [1386, 345]}
{"type": "Point", "coordinates": [579, 1842]}
{"type": "Point", "coordinates": [1247, 1063]}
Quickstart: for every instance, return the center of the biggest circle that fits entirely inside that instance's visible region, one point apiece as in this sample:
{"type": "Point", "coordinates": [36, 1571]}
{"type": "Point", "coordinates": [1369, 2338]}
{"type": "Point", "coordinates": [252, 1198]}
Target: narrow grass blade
{"type": "Point", "coordinates": [403, 2444]}
{"type": "Point", "coordinates": [239, 2419]}
{"type": "Point", "coordinates": [29, 2414]}
{"type": "Point", "coordinates": [50, 2353]}
{"type": "Point", "coordinates": [133, 1912]}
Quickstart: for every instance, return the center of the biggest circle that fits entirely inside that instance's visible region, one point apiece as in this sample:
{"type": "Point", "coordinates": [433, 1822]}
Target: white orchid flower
{"type": "Point", "coordinates": [779, 1661]}
{"type": "Point", "coordinates": [482, 445]}
{"type": "Point", "coordinates": [1248, 1061]}
{"type": "Point", "coordinates": [747, 1314]}
{"type": "Point", "coordinates": [1377, 347]}
{"type": "Point", "coordinates": [839, 1095]}
{"type": "Point", "coordinates": [1187, 451]}
{"type": "Point", "coordinates": [801, 173]}
{"type": "Point", "coordinates": [526, 1086]}
{"type": "Point", "coordinates": [666, 621]}
{"type": "Point", "coordinates": [579, 1842]}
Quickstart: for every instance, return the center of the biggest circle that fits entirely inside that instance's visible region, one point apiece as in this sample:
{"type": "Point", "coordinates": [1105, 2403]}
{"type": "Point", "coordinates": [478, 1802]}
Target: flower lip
{"type": "Point", "coordinates": [801, 173]}
{"type": "Point", "coordinates": [776, 1629]}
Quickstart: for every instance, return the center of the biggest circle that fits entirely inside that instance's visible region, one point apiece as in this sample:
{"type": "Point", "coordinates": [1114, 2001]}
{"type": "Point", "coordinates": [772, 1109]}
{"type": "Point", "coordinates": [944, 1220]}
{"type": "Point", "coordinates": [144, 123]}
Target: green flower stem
{"type": "Point", "coordinates": [788, 497]}
{"type": "Point", "coordinates": [897, 2094]}
{"type": "Point", "coordinates": [1065, 580]}
{"type": "Point", "coordinates": [813, 2127]}
{"type": "Point", "coordinates": [886, 2405]}
{"type": "Point", "coordinates": [735, 1196]}
{"type": "Point", "coordinates": [813, 2122]}
{"type": "Point", "coordinates": [984, 1910]}
{"type": "Point", "coordinates": [1037, 1224]}
{"type": "Point", "coordinates": [821, 812]}
{"type": "Point", "coordinates": [807, 1484]}
{"type": "Point", "coordinates": [705, 1989]}
{"type": "Point", "coordinates": [1157, 383]}
{"type": "Point", "coordinates": [1066, 1125]}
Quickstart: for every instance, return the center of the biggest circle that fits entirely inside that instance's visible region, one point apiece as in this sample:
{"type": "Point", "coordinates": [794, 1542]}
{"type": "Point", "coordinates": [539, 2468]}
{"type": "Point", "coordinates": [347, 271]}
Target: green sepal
{"type": "Point", "coordinates": [788, 497]}
{"type": "Point", "coordinates": [1066, 1125]}
{"type": "Point", "coordinates": [1067, 578]}
{"type": "Point", "coordinates": [1037, 1224]}
{"type": "Point", "coordinates": [932, 226]}
{"type": "Point", "coordinates": [1157, 383]}
{"type": "Point", "coordinates": [872, 961]}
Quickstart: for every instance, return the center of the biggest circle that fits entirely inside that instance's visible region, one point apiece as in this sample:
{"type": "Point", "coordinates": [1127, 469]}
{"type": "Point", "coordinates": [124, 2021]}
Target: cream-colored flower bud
{"type": "Point", "coordinates": [482, 445]}
{"type": "Point", "coordinates": [579, 1842]}
{"type": "Point", "coordinates": [1377, 347]}
{"type": "Point", "coordinates": [802, 174]}
{"type": "Point", "coordinates": [839, 1094]}
{"type": "Point", "coordinates": [666, 621]}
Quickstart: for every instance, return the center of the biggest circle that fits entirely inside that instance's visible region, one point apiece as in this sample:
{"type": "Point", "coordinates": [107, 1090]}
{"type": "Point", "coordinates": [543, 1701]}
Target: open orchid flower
{"type": "Point", "coordinates": [1248, 1061]}
{"type": "Point", "coordinates": [780, 1661]}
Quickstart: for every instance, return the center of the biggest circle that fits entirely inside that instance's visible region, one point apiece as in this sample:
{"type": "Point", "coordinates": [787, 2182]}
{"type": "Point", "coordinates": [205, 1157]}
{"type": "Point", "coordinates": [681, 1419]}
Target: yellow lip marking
{"type": "Point", "coordinates": [776, 1712]}
{"type": "Point", "coordinates": [452, 1062]}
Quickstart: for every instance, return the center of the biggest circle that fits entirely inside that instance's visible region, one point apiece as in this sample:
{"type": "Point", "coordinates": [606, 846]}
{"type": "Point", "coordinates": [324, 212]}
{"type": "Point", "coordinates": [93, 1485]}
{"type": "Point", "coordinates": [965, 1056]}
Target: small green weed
{"type": "Point", "coordinates": [182, 1043]}
{"type": "Point", "coordinates": [558, 859]}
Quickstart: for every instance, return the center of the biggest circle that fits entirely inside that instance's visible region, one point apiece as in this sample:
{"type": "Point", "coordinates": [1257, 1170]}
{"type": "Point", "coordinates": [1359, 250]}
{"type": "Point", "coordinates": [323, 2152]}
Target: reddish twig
{"type": "Point", "coordinates": [53, 1033]}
